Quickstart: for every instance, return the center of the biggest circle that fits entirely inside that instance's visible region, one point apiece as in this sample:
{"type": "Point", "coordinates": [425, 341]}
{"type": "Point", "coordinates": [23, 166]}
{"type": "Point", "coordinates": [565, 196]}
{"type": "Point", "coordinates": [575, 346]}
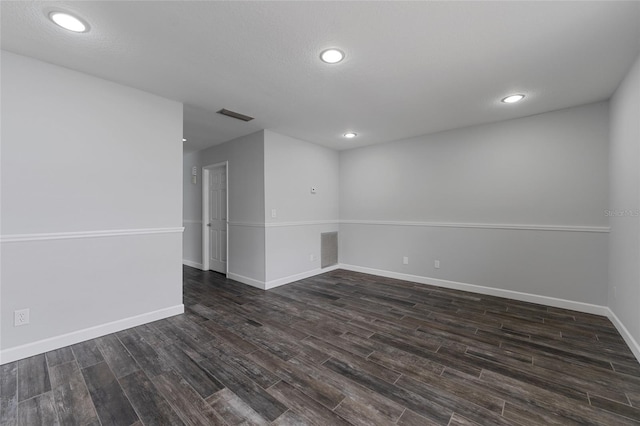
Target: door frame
{"type": "Point", "coordinates": [206, 170]}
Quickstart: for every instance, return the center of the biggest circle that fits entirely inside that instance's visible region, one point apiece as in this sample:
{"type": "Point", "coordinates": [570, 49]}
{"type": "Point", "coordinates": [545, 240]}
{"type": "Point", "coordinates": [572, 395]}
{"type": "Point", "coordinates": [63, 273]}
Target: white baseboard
{"type": "Point", "coordinates": [192, 264]}
{"type": "Point", "coordinates": [246, 280]}
{"type": "Point", "coordinates": [490, 291]}
{"type": "Point", "coordinates": [628, 338]}
{"type": "Point", "coordinates": [57, 342]}
{"type": "Point", "coordinates": [292, 278]}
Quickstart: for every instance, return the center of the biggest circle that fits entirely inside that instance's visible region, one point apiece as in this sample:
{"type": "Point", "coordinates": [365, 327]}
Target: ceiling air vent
{"type": "Point", "coordinates": [234, 114]}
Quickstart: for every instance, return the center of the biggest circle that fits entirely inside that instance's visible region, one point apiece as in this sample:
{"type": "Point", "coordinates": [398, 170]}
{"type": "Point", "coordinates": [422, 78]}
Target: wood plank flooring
{"type": "Point", "coordinates": [336, 349]}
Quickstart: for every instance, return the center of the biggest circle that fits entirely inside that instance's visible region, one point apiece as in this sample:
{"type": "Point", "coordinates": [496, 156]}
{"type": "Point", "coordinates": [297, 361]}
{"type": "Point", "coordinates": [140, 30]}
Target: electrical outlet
{"type": "Point", "coordinates": [312, 257]}
{"type": "Point", "coordinates": [405, 260]}
{"type": "Point", "coordinates": [21, 317]}
{"type": "Point", "coordinates": [273, 213]}
{"type": "Point", "coordinates": [436, 264]}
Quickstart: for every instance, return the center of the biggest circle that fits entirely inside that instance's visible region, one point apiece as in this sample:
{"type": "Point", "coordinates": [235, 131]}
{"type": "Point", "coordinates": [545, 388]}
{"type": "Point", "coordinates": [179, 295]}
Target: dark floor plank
{"type": "Point", "coordinates": [301, 377]}
{"type": "Point", "coordinates": [425, 407]}
{"type": "Point", "coordinates": [338, 348]}
{"type": "Point", "coordinates": [118, 358]}
{"type": "Point", "coordinates": [460, 400]}
{"type": "Point", "coordinates": [71, 396]}
{"type": "Point", "coordinates": [60, 356]}
{"type": "Point", "coordinates": [203, 382]}
{"type": "Point", "coordinates": [33, 377]}
{"type": "Point", "coordinates": [410, 418]}
{"type": "Point", "coordinates": [291, 418]}
{"type": "Point", "coordinates": [530, 415]}
{"type": "Point", "coordinates": [234, 410]}
{"type": "Point", "coordinates": [250, 392]}
{"type": "Point", "coordinates": [112, 405]}
{"type": "Point", "coordinates": [9, 394]}
{"type": "Point", "coordinates": [361, 363]}
{"type": "Point", "coordinates": [615, 407]}
{"type": "Point", "coordinates": [146, 357]}
{"type": "Point", "coordinates": [360, 405]}
{"type": "Point", "coordinates": [523, 394]}
{"type": "Point", "coordinates": [311, 410]}
{"type": "Point", "coordinates": [87, 353]}
{"type": "Point", "coordinates": [39, 410]}
{"type": "Point", "coordinates": [634, 397]}
{"type": "Point", "coordinates": [150, 406]}
{"type": "Point", "coordinates": [229, 354]}
{"type": "Point", "coordinates": [185, 401]}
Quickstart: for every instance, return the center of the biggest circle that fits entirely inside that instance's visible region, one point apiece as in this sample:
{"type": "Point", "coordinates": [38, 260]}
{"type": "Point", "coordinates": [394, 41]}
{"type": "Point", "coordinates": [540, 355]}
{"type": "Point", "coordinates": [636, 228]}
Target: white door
{"type": "Point", "coordinates": [217, 222]}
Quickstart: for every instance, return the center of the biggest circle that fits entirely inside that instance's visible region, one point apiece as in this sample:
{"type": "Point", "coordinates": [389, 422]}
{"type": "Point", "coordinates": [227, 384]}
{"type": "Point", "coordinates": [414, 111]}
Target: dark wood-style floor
{"type": "Point", "coordinates": [339, 348]}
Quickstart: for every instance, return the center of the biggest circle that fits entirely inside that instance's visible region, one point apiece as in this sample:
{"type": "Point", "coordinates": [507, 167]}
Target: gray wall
{"type": "Point", "coordinates": [267, 171]}
{"type": "Point", "coordinates": [192, 212]}
{"type": "Point", "coordinates": [624, 241]}
{"type": "Point", "coordinates": [91, 195]}
{"type": "Point", "coordinates": [515, 205]}
{"type": "Point", "coordinates": [246, 206]}
{"type": "Point", "coordinates": [292, 167]}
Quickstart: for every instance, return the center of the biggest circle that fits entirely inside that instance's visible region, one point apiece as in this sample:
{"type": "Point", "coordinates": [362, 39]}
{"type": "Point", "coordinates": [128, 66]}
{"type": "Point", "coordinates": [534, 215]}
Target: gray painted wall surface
{"type": "Point", "coordinates": [80, 154]}
{"type": "Point", "coordinates": [624, 240]}
{"type": "Point", "coordinates": [246, 204]}
{"type": "Point", "coordinates": [192, 210]}
{"type": "Point", "coordinates": [546, 170]}
{"type": "Point", "coordinates": [292, 167]}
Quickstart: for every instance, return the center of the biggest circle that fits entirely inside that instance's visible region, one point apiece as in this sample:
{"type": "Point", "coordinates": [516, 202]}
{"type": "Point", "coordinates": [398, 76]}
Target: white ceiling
{"type": "Point", "coordinates": [411, 68]}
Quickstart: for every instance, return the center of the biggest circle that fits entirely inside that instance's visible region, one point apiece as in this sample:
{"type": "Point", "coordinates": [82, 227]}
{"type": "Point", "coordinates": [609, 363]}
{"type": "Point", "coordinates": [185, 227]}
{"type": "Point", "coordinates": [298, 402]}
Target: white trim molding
{"type": "Point", "coordinates": [193, 264]}
{"type": "Point", "coordinates": [301, 223]}
{"type": "Point", "coordinates": [489, 291]}
{"type": "Point", "coordinates": [247, 224]}
{"type": "Point", "coordinates": [285, 224]}
{"type": "Point", "coordinates": [626, 335]}
{"type": "Point", "coordinates": [56, 342]}
{"type": "Point", "coordinates": [246, 280]}
{"type": "Point", "coordinates": [18, 238]}
{"type": "Point", "coordinates": [508, 226]}
{"type": "Point", "coordinates": [293, 278]}
{"type": "Point", "coordinates": [280, 281]}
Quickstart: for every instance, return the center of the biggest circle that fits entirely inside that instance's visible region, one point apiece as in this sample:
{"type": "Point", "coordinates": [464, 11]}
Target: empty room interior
{"type": "Point", "coordinates": [320, 213]}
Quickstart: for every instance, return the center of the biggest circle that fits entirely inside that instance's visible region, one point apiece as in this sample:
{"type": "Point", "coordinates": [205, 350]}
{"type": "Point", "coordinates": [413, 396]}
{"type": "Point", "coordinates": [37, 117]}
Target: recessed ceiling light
{"type": "Point", "coordinates": [332, 56]}
{"type": "Point", "coordinates": [184, 140]}
{"type": "Point", "coordinates": [68, 22]}
{"type": "Point", "coordinates": [350, 135]}
{"type": "Point", "coordinates": [511, 99]}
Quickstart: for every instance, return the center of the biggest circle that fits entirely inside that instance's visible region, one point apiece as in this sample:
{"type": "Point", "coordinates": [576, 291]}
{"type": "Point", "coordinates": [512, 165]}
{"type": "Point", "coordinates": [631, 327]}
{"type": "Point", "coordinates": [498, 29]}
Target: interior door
{"type": "Point", "coordinates": [218, 219]}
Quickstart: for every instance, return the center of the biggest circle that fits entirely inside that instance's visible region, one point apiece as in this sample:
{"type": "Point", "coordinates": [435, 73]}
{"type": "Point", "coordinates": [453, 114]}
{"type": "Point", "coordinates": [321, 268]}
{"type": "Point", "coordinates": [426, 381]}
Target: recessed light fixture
{"type": "Point", "coordinates": [184, 139]}
{"type": "Point", "coordinates": [68, 22]}
{"type": "Point", "coordinates": [350, 135]}
{"type": "Point", "coordinates": [332, 56]}
{"type": "Point", "coordinates": [512, 99]}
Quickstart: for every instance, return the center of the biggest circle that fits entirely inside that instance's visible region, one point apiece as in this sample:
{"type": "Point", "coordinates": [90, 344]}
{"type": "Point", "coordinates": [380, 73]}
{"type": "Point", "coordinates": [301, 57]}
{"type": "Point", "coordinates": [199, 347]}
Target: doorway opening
{"type": "Point", "coordinates": [215, 222]}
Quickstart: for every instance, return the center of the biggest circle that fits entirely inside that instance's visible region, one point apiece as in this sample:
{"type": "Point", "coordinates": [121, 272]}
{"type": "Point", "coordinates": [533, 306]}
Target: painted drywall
{"type": "Point", "coordinates": [624, 205]}
{"type": "Point", "coordinates": [543, 171]}
{"type": "Point", "coordinates": [91, 197]}
{"type": "Point", "coordinates": [246, 206]}
{"type": "Point", "coordinates": [192, 211]}
{"type": "Point", "coordinates": [292, 168]}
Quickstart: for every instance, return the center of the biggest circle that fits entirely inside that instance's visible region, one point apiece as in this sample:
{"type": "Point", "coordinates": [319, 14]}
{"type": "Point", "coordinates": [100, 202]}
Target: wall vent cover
{"type": "Point", "coordinates": [235, 115]}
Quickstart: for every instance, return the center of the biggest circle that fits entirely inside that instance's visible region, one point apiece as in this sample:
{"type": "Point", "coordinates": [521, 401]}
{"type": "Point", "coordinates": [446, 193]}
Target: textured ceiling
{"type": "Point", "coordinates": [411, 67]}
